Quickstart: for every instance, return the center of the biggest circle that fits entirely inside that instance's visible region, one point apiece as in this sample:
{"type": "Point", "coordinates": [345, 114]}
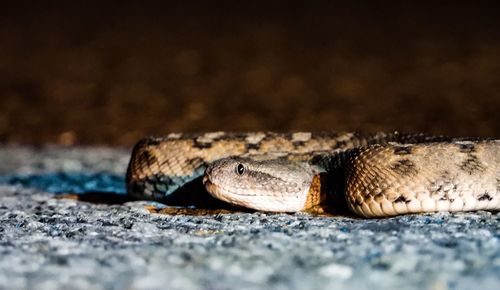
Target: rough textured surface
{"type": "Point", "coordinates": [50, 243]}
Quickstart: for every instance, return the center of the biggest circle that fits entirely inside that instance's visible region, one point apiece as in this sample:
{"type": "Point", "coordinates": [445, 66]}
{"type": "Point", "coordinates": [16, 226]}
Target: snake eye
{"type": "Point", "coordinates": [240, 169]}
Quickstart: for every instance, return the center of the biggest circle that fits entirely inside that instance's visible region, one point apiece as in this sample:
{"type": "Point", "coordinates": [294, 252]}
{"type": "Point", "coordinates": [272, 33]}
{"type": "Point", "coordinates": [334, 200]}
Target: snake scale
{"type": "Point", "coordinates": [373, 175]}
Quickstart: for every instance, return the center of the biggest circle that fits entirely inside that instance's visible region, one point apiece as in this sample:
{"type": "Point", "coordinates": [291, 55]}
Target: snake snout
{"type": "Point", "coordinates": [206, 177]}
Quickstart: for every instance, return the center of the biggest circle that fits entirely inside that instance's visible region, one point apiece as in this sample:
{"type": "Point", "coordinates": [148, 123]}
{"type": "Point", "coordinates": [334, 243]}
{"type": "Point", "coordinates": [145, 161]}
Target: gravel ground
{"type": "Point", "coordinates": [52, 243]}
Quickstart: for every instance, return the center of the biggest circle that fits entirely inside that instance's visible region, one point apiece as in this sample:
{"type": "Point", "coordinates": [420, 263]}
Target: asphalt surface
{"type": "Point", "coordinates": [49, 242]}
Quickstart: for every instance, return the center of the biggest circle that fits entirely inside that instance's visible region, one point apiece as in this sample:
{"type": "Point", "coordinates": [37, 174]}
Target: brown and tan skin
{"type": "Point", "coordinates": [378, 175]}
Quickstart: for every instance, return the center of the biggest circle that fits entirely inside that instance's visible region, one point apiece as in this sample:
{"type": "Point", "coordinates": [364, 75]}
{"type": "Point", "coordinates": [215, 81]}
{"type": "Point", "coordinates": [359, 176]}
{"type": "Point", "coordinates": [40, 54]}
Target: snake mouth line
{"type": "Point", "coordinates": [206, 181]}
{"type": "Point", "coordinates": [214, 189]}
{"type": "Point", "coordinates": [210, 186]}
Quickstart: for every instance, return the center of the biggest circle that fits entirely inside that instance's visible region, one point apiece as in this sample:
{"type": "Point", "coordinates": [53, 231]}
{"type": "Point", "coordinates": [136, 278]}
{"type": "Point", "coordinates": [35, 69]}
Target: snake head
{"type": "Point", "coordinates": [275, 185]}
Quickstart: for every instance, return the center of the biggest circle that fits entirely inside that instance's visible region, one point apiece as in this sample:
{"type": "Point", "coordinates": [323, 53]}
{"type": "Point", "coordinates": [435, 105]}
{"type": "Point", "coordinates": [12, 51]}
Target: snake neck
{"type": "Point", "coordinates": [327, 190]}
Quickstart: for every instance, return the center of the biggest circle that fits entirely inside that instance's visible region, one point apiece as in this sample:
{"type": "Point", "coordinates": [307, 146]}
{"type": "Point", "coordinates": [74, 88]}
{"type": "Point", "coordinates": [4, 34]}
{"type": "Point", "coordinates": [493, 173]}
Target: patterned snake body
{"type": "Point", "coordinates": [377, 175]}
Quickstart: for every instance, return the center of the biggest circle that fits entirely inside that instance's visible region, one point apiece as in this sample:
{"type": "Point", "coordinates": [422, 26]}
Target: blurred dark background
{"type": "Point", "coordinates": [113, 72]}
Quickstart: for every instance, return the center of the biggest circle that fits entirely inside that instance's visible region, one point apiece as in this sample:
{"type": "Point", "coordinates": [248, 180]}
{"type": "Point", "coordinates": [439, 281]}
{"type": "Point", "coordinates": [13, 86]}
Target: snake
{"type": "Point", "coordinates": [370, 175]}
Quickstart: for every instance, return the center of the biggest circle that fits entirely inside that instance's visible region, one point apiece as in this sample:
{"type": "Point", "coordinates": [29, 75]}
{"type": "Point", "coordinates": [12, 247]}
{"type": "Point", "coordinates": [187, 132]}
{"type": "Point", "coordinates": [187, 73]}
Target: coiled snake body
{"type": "Point", "coordinates": [377, 175]}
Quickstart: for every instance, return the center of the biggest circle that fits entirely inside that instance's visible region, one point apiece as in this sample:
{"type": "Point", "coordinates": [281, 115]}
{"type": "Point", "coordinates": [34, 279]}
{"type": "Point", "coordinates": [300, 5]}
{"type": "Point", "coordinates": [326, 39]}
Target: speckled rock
{"type": "Point", "coordinates": [51, 243]}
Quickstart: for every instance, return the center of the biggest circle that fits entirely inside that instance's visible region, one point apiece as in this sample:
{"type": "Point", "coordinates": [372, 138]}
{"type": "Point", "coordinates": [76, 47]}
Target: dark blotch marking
{"type": "Point", "coordinates": [401, 199]}
{"type": "Point", "coordinates": [152, 141]}
{"type": "Point", "coordinates": [202, 145]}
{"type": "Point", "coordinates": [402, 150]}
{"type": "Point", "coordinates": [250, 146]}
{"type": "Point", "coordinates": [297, 144]}
{"type": "Point", "coordinates": [339, 139]}
{"type": "Point", "coordinates": [196, 162]}
{"type": "Point", "coordinates": [147, 158]}
{"type": "Point", "coordinates": [342, 144]}
{"type": "Point", "coordinates": [442, 186]}
{"type": "Point", "coordinates": [141, 154]}
{"type": "Point", "coordinates": [230, 136]}
{"type": "Point", "coordinates": [435, 189]}
{"type": "Point", "coordinates": [404, 167]}
{"type": "Point", "coordinates": [472, 165]}
{"type": "Point", "coordinates": [445, 174]}
{"type": "Point", "coordinates": [288, 135]}
{"type": "Point", "coordinates": [485, 196]}
{"type": "Point", "coordinates": [466, 148]}
{"type": "Point", "coordinates": [324, 135]}
{"type": "Point", "coordinates": [273, 135]}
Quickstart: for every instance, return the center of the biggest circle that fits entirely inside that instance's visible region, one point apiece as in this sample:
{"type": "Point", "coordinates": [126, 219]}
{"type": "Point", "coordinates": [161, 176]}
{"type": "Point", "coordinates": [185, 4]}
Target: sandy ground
{"type": "Point", "coordinates": [52, 243]}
